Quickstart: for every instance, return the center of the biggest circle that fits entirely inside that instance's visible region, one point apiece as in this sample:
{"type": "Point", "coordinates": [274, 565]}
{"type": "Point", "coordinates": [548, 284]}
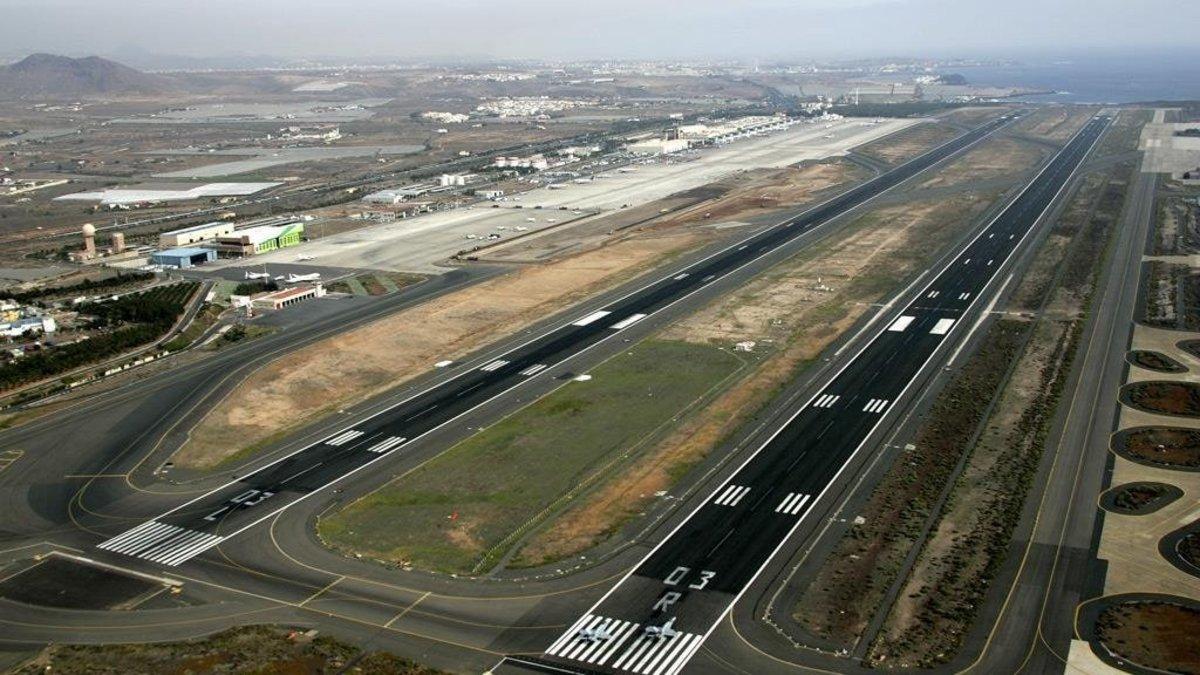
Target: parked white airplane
{"type": "Point", "coordinates": [258, 275]}
{"type": "Point", "coordinates": [594, 635]}
{"type": "Point", "coordinates": [667, 630]}
{"type": "Point", "coordinates": [305, 257]}
{"type": "Point", "coordinates": [297, 278]}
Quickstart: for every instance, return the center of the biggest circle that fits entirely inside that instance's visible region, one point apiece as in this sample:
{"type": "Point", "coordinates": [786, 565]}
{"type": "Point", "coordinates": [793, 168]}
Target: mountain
{"type": "Point", "coordinates": [48, 75]}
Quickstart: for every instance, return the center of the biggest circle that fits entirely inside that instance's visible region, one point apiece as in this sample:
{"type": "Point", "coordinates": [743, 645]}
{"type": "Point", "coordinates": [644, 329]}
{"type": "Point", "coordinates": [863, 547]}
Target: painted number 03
{"type": "Point", "coordinates": [680, 572]}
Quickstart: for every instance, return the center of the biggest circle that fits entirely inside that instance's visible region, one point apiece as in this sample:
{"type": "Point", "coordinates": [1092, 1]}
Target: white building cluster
{"type": "Point", "coordinates": [445, 117]}
{"type": "Point", "coordinates": [528, 106]}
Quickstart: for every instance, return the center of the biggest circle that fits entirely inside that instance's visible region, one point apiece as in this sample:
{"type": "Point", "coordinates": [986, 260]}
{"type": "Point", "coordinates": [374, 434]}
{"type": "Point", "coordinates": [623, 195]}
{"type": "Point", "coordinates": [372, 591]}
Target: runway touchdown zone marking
{"type": "Point", "coordinates": [162, 543]}
{"type": "Point", "coordinates": [494, 365]}
{"type": "Point", "coordinates": [826, 401]}
{"type": "Point", "coordinates": [901, 323]}
{"type": "Point", "coordinates": [344, 437]}
{"type": "Point", "coordinates": [533, 370]}
{"type": "Point", "coordinates": [732, 495]}
{"type": "Point", "coordinates": [591, 318]}
{"type": "Point", "coordinates": [792, 503]}
{"type": "Point", "coordinates": [875, 405]}
{"type": "Point", "coordinates": [385, 445]}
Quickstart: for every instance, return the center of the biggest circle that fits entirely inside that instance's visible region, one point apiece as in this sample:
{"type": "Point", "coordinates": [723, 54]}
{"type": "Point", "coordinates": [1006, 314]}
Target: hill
{"type": "Point", "coordinates": [49, 75]}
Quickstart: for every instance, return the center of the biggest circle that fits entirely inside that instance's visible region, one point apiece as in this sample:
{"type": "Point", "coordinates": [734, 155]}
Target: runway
{"type": "Point", "coordinates": [695, 575]}
{"type": "Point", "coordinates": [190, 529]}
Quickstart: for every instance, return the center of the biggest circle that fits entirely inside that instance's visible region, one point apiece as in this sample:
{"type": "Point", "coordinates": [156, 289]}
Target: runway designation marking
{"type": "Point", "coordinates": [792, 503]}
{"type": "Point", "coordinates": [901, 323]}
{"type": "Point", "coordinates": [875, 405]}
{"type": "Point", "coordinates": [161, 543]}
{"type": "Point", "coordinates": [826, 401]}
{"type": "Point", "coordinates": [494, 365]}
{"type": "Point", "coordinates": [732, 495]}
{"type": "Point", "coordinates": [591, 318]}
{"type": "Point", "coordinates": [628, 321]}
{"type": "Point", "coordinates": [344, 437]}
{"type": "Point", "coordinates": [534, 369]}
{"type": "Point", "coordinates": [942, 327]}
{"type": "Point", "coordinates": [386, 445]}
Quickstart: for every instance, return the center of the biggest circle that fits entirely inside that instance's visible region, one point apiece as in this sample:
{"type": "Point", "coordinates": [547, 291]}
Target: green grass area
{"type": "Point", "coordinates": [458, 512]}
{"type": "Point", "coordinates": [204, 320]}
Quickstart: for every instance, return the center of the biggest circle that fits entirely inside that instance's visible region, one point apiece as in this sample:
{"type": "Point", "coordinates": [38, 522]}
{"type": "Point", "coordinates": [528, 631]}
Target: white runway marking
{"type": "Point", "coordinates": [387, 444]}
{"type": "Point", "coordinates": [161, 543]}
{"type": "Point", "coordinates": [574, 645]}
{"type": "Point", "coordinates": [792, 503]}
{"type": "Point", "coordinates": [591, 318]}
{"type": "Point", "coordinates": [967, 261]}
{"type": "Point", "coordinates": [495, 365]}
{"type": "Point", "coordinates": [875, 405]}
{"type": "Point", "coordinates": [942, 327]}
{"type": "Point", "coordinates": [901, 323]}
{"type": "Point", "coordinates": [963, 296]}
{"type": "Point", "coordinates": [628, 321]}
{"type": "Point", "coordinates": [990, 262]}
{"type": "Point", "coordinates": [681, 275]}
{"type": "Point", "coordinates": [732, 495]}
{"type": "Point", "coordinates": [826, 401]}
{"type": "Point", "coordinates": [442, 364]}
{"type": "Point", "coordinates": [933, 294]}
{"type": "Point", "coordinates": [344, 437]}
{"type": "Point", "coordinates": [534, 369]}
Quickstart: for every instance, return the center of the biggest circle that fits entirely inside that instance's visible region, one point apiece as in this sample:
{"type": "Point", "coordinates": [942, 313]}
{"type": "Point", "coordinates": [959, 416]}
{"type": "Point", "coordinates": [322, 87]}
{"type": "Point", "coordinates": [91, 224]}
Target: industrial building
{"type": "Point", "coordinates": [183, 257]}
{"type": "Point", "coordinates": [194, 234]}
{"type": "Point", "coordinates": [288, 296]}
{"type": "Point", "coordinates": [259, 239]}
{"type": "Point", "coordinates": [37, 324]}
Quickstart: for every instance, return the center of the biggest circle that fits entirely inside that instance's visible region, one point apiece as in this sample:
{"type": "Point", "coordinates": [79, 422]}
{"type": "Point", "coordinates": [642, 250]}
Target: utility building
{"type": "Point", "coordinates": [183, 257]}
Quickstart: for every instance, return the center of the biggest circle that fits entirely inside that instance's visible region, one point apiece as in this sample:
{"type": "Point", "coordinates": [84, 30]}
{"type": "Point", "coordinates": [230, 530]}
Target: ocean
{"type": "Point", "coordinates": [1098, 80]}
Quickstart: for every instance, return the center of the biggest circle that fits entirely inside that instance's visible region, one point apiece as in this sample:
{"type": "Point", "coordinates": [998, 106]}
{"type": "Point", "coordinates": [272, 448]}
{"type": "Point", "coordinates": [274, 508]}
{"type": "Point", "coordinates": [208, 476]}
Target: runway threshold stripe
{"type": "Point", "coordinates": [581, 645]}
{"type": "Point", "coordinates": [621, 634]}
{"type": "Point", "coordinates": [682, 658]}
{"type": "Point", "coordinates": [144, 533]}
{"type": "Point", "coordinates": [606, 626]}
{"type": "Point", "coordinates": [570, 632]}
{"type": "Point", "coordinates": [628, 321]}
{"type": "Point", "coordinates": [672, 654]}
{"type": "Point", "coordinates": [657, 648]}
{"type": "Point", "coordinates": [591, 318]}
{"type": "Point", "coordinates": [616, 646]}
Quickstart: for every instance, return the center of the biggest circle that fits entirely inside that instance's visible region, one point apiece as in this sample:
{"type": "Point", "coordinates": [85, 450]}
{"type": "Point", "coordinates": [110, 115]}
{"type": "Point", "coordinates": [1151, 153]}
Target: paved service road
{"type": "Point", "coordinates": [694, 576]}
{"type": "Point", "coordinates": [192, 528]}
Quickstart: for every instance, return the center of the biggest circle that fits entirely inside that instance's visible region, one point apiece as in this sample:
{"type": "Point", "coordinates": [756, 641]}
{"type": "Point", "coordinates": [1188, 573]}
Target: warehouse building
{"type": "Point", "coordinates": [183, 257]}
{"type": "Point", "coordinates": [259, 239]}
{"type": "Point", "coordinates": [194, 234]}
{"type": "Point", "coordinates": [288, 296]}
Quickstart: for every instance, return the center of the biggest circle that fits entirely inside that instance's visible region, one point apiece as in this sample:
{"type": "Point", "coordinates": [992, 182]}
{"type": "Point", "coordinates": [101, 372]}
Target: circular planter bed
{"type": "Point", "coordinates": [1156, 361]}
{"type": "Point", "coordinates": [1139, 499]}
{"type": "Point", "coordinates": [1181, 399]}
{"type": "Point", "coordinates": [1151, 633]}
{"type": "Point", "coordinates": [1190, 346]}
{"type": "Point", "coordinates": [1164, 447]}
{"type": "Point", "coordinates": [1181, 548]}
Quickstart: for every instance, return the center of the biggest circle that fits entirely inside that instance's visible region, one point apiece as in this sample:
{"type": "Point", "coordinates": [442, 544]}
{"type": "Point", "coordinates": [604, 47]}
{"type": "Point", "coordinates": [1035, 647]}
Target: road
{"type": "Point", "coordinates": [190, 529]}
{"type": "Point", "coordinates": [695, 575]}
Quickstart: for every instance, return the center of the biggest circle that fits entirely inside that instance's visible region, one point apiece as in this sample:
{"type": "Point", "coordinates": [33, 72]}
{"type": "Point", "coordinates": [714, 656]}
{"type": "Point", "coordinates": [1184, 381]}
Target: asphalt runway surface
{"type": "Point", "coordinates": [194, 527]}
{"type": "Point", "coordinates": [692, 578]}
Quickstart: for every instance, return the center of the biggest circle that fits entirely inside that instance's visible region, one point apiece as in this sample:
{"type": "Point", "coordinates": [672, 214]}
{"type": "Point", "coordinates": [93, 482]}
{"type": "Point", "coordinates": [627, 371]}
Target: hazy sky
{"type": "Point", "coordinates": [595, 28]}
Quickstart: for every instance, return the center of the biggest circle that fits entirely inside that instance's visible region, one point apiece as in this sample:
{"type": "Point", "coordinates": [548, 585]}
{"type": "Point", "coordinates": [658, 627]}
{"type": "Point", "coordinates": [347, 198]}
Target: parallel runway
{"type": "Point", "coordinates": [696, 574]}
{"type": "Point", "coordinates": [192, 528]}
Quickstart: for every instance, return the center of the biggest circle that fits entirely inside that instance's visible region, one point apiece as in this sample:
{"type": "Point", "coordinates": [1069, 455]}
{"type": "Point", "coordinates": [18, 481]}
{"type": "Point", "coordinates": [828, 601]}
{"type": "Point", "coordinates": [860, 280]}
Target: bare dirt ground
{"type": "Point", "coordinates": [786, 313]}
{"type": "Point", "coordinates": [995, 158]}
{"type": "Point", "coordinates": [1056, 124]}
{"type": "Point", "coordinates": [909, 143]}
